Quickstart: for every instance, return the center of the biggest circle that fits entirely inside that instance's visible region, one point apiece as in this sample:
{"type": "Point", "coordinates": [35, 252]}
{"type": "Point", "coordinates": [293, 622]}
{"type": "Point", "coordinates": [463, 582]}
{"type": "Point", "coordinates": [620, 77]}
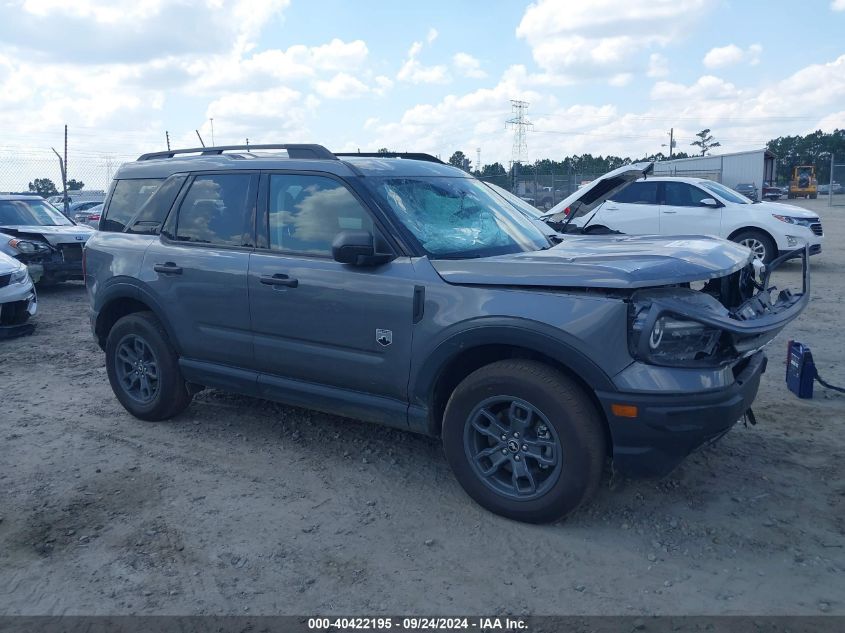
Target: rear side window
{"type": "Point", "coordinates": [638, 193]}
{"type": "Point", "coordinates": [126, 200]}
{"type": "Point", "coordinates": [681, 194]}
{"type": "Point", "coordinates": [152, 214]}
{"type": "Point", "coordinates": [216, 210]}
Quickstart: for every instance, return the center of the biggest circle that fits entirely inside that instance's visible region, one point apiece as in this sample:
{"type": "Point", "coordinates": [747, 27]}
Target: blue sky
{"type": "Point", "coordinates": [601, 77]}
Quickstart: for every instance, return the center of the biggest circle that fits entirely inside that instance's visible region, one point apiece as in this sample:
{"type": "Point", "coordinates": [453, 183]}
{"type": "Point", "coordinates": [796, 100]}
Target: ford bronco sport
{"type": "Point", "coordinates": [399, 290]}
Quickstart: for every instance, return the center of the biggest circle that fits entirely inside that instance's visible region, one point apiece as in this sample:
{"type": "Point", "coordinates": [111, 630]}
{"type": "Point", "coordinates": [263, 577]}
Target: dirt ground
{"type": "Point", "coordinates": [245, 506]}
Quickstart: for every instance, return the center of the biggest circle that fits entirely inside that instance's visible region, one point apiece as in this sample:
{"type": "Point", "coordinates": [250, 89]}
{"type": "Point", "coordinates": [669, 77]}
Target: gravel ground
{"type": "Point", "coordinates": [246, 506]}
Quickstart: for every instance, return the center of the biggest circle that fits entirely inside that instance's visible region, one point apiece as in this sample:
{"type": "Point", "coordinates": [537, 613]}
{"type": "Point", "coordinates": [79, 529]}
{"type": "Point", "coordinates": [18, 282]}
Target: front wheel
{"type": "Point", "coordinates": [524, 440]}
{"type": "Point", "coordinates": [761, 245]}
{"type": "Point", "coordinates": [143, 368]}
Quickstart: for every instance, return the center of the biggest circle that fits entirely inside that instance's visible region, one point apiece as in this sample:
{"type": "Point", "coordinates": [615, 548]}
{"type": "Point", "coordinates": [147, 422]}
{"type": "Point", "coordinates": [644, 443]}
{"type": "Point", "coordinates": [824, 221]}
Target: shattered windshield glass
{"type": "Point", "coordinates": [458, 217]}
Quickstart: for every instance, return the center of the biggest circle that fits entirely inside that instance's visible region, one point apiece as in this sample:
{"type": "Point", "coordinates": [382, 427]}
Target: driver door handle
{"type": "Point", "coordinates": [168, 268]}
{"type": "Point", "coordinates": [670, 212]}
{"type": "Point", "coordinates": [280, 279]}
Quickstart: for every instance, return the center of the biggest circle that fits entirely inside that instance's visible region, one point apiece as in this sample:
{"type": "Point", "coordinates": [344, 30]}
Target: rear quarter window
{"type": "Point", "coordinates": [128, 198]}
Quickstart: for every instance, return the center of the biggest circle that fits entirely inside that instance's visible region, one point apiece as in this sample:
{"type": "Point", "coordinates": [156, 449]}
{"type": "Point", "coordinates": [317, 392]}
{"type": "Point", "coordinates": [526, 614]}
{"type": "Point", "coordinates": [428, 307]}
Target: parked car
{"type": "Point", "coordinates": [771, 192]}
{"type": "Point", "coordinates": [748, 189]}
{"type": "Point", "coordinates": [89, 216]}
{"type": "Point", "coordinates": [405, 292]}
{"type": "Point", "coordinates": [18, 300]}
{"type": "Point", "coordinates": [824, 190]}
{"type": "Point", "coordinates": [664, 205]}
{"type": "Point", "coordinates": [35, 233]}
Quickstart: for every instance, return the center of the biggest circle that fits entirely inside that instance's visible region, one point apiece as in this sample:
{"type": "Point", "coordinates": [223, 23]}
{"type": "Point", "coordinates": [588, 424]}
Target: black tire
{"type": "Point", "coordinates": [576, 427]}
{"type": "Point", "coordinates": [753, 238]}
{"type": "Point", "coordinates": [170, 396]}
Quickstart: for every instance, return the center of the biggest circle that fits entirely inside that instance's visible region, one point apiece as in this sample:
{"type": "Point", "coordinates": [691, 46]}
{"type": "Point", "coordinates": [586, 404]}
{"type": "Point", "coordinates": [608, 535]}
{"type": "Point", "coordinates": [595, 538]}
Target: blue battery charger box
{"type": "Point", "coordinates": [800, 370]}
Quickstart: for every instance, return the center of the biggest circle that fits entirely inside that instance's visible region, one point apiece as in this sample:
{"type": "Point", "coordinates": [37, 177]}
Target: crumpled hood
{"type": "Point", "coordinates": [53, 234]}
{"type": "Point", "coordinates": [604, 261]}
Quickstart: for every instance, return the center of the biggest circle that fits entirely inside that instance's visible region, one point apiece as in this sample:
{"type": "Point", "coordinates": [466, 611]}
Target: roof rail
{"type": "Point", "coordinates": [408, 155]}
{"type": "Point", "coordinates": [294, 150]}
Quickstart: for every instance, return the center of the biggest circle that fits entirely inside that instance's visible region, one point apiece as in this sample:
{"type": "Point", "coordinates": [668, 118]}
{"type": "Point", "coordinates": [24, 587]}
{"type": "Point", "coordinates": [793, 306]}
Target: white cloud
{"type": "Point", "coordinates": [415, 72]}
{"type": "Point", "coordinates": [621, 80]}
{"type": "Point", "coordinates": [837, 5]}
{"type": "Point", "coordinates": [468, 66]}
{"type": "Point", "coordinates": [731, 55]}
{"type": "Point", "coordinates": [604, 36]}
{"type": "Point", "coordinates": [342, 86]}
{"type": "Point", "coordinates": [432, 35]}
{"type": "Point", "coordinates": [122, 31]}
{"type": "Point", "coordinates": [658, 65]}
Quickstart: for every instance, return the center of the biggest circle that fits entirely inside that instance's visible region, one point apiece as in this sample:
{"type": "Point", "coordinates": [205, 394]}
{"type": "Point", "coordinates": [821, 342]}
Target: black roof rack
{"type": "Point", "coordinates": [409, 155]}
{"type": "Point", "coordinates": [294, 150]}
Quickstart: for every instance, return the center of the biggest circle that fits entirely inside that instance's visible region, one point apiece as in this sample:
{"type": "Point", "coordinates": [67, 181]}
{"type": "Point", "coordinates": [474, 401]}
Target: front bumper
{"type": "Point", "coordinates": [669, 427]}
{"type": "Point", "coordinates": [18, 302]}
{"type": "Point", "coordinates": [54, 266]}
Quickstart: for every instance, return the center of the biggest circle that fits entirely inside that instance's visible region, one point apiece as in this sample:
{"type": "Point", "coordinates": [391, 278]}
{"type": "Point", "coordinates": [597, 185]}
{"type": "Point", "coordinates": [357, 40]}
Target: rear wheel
{"type": "Point", "coordinates": [143, 368]}
{"type": "Point", "coordinates": [761, 244]}
{"type": "Point", "coordinates": [524, 440]}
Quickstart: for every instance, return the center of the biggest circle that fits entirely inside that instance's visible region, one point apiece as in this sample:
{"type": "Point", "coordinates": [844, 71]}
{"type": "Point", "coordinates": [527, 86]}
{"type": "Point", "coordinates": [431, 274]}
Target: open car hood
{"type": "Point", "coordinates": [593, 194]}
{"type": "Point", "coordinates": [604, 261]}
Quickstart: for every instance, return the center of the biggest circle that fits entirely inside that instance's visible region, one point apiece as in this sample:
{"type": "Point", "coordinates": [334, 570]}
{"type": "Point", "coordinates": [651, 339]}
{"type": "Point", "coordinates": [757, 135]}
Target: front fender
{"type": "Point", "coordinates": [532, 336]}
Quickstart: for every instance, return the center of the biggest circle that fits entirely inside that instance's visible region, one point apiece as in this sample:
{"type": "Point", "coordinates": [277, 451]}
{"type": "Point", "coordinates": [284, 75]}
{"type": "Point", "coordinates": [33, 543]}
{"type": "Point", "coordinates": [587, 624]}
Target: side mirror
{"type": "Point", "coordinates": [357, 248]}
{"type": "Point", "coordinates": [709, 202]}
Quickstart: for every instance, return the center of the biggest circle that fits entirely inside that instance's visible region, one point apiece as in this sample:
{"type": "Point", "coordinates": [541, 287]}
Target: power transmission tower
{"type": "Point", "coordinates": [478, 159]}
{"type": "Point", "coordinates": [519, 124]}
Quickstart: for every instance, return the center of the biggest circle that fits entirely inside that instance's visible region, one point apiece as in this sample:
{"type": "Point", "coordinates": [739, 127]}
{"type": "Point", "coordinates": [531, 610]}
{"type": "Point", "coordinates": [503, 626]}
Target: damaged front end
{"type": "Point", "coordinates": [729, 318]}
{"type": "Point", "coordinates": [45, 261]}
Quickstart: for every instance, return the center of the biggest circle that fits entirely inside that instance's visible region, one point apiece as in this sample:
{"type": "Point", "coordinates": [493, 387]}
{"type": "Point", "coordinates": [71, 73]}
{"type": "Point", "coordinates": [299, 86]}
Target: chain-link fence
{"type": "Point", "coordinates": [38, 171]}
{"type": "Point", "coordinates": [836, 186]}
{"type": "Point", "coordinates": [542, 189]}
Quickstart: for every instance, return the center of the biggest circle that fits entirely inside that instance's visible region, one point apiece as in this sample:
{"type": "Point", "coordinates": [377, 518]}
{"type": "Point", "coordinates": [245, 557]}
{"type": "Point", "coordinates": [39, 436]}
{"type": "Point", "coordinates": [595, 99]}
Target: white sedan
{"type": "Point", "coordinates": [18, 300]}
{"type": "Point", "coordinates": [663, 205]}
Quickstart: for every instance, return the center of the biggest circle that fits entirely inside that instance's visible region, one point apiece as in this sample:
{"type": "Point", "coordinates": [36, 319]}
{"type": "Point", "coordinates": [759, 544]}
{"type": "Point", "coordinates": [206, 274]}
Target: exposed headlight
{"type": "Point", "coordinates": [19, 276]}
{"type": "Point", "coordinates": [798, 221]}
{"type": "Point", "coordinates": [27, 246]}
{"type": "Point", "coordinates": [671, 340]}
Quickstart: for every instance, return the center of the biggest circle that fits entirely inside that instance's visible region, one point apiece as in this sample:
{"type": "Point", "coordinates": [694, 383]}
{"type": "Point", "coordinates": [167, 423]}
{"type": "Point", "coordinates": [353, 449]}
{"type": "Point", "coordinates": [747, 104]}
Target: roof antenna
{"type": "Point", "coordinates": [199, 137]}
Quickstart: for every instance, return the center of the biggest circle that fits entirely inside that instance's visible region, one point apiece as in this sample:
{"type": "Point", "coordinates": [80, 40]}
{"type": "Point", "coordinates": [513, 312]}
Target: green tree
{"type": "Point", "coordinates": [459, 160]}
{"type": "Point", "coordinates": [75, 185]}
{"type": "Point", "coordinates": [496, 169]}
{"type": "Point", "coordinates": [705, 141]}
{"type": "Point", "coordinates": [43, 187]}
{"type": "Point", "coordinates": [384, 150]}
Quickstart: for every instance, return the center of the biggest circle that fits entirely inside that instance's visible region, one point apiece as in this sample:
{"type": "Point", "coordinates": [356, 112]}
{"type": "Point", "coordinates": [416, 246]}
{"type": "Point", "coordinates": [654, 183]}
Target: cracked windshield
{"type": "Point", "coordinates": [458, 218]}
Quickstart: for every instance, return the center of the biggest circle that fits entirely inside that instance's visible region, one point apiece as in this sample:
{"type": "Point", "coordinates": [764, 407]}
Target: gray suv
{"type": "Point", "coordinates": [399, 290]}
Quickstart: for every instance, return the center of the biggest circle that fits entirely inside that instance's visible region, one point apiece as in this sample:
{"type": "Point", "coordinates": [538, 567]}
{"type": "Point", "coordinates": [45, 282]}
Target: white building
{"type": "Point", "coordinates": [755, 166]}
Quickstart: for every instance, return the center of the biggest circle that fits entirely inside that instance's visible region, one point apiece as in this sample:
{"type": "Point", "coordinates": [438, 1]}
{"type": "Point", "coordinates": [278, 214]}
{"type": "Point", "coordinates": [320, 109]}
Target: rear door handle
{"type": "Point", "coordinates": [280, 279]}
{"type": "Point", "coordinates": [168, 268]}
{"type": "Point", "coordinates": [670, 212]}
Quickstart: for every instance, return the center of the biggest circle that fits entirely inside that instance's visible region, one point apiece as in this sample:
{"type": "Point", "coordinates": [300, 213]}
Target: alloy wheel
{"type": "Point", "coordinates": [512, 447]}
{"type": "Point", "coordinates": [137, 368]}
{"type": "Point", "coordinates": [756, 246]}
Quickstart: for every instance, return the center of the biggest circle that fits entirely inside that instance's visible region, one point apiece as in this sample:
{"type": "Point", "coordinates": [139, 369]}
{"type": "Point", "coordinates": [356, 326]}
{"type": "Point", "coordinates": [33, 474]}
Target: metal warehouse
{"type": "Point", "coordinates": [756, 166]}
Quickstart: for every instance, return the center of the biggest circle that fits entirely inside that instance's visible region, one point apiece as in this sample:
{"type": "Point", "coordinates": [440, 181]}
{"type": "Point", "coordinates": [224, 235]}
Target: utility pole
{"type": "Point", "coordinates": [519, 124]}
{"type": "Point", "coordinates": [247, 143]}
{"type": "Point", "coordinates": [167, 136]}
{"type": "Point", "coordinates": [478, 159]}
{"type": "Point", "coordinates": [212, 131]}
{"type": "Point", "coordinates": [671, 141]}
